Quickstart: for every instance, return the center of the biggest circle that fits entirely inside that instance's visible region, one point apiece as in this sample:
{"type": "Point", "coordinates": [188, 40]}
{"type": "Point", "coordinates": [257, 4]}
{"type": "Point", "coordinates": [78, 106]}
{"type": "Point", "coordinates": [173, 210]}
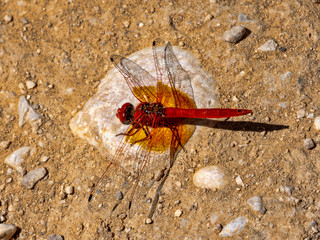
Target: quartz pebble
{"type": "Point", "coordinates": [234, 34]}
{"type": "Point", "coordinates": [7, 231]}
{"type": "Point", "coordinates": [269, 46]}
{"type": "Point", "coordinates": [301, 113]}
{"type": "Point", "coordinates": [317, 123]}
{"type": "Point", "coordinates": [209, 177]}
{"type": "Point", "coordinates": [8, 18]}
{"type": "Point", "coordinates": [255, 203]}
{"type": "Point", "coordinates": [178, 213]}
{"type": "Point", "coordinates": [234, 227]}
{"type": "Point", "coordinates": [32, 177]}
{"type": "Point", "coordinates": [26, 112]}
{"type": "Point", "coordinates": [69, 190]}
{"type": "Point", "coordinates": [30, 84]}
{"type": "Point", "coordinates": [16, 158]}
{"type": "Point", "coordinates": [309, 144]}
{"type": "Point", "coordinates": [5, 144]}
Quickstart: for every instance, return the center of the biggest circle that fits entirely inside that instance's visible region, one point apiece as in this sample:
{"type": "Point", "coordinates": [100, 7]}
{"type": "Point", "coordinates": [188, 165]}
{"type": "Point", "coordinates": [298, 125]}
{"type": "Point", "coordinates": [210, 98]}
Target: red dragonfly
{"type": "Point", "coordinates": [155, 125]}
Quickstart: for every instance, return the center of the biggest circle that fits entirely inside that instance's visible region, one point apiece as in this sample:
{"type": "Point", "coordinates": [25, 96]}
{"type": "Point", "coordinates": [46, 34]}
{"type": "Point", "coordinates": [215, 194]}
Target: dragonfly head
{"type": "Point", "coordinates": [126, 113]}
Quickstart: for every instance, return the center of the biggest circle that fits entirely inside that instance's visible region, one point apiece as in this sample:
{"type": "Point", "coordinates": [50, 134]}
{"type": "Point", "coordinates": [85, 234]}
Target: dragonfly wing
{"type": "Point", "coordinates": [141, 83]}
{"type": "Point", "coordinates": [178, 78]}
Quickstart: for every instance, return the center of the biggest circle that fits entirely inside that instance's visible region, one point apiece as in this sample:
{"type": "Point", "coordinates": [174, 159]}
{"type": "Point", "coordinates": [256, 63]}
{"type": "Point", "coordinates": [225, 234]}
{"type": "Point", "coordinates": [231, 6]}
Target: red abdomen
{"type": "Point", "coordinates": [204, 112]}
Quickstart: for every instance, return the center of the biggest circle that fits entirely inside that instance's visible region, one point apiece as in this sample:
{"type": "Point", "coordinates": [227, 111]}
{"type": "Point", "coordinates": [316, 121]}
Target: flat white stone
{"type": "Point", "coordinates": [209, 177]}
{"type": "Point", "coordinates": [234, 227]}
{"type": "Point", "coordinates": [97, 122]}
{"type": "Point", "coordinates": [16, 158]}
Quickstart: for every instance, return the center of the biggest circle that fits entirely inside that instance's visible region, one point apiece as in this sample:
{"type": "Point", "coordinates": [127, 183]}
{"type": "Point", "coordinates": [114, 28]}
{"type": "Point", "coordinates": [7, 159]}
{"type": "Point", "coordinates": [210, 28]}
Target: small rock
{"type": "Point", "coordinates": [7, 231]}
{"type": "Point", "coordinates": [209, 177]}
{"type": "Point", "coordinates": [31, 178]}
{"type": "Point", "coordinates": [234, 34]}
{"type": "Point", "coordinates": [119, 195]}
{"type": "Point", "coordinates": [16, 158]}
{"type": "Point", "coordinates": [255, 203]}
{"type": "Point", "coordinates": [5, 144]}
{"type": "Point", "coordinates": [148, 221]}
{"type": "Point", "coordinates": [239, 181]}
{"type": "Point", "coordinates": [55, 237]}
{"type": "Point", "coordinates": [141, 24]}
{"type": "Point", "coordinates": [243, 18]}
{"type": "Point", "coordinates": [233, 227]}
{"type": "Point", "coordinates": [317, 123]}
{"type": "Point", "coordinates": [178, 213]}
{"type": "Point", "coordinates": [309, 144]}
{"type": "Point", "coordinates": [8, 18]}
{"type": "Point", "coordinates": [30, 84]}
{"type": "Point", "coordinates": [301, 113]}
{"type": "Point", "coordinates": [26, 112]}
{"type": "Point", "coordinates": [126, 23]}
{"type": "Point", "coordinates": [69, 190]}
{"type": "Point", "coordinates": [44, 158]}
{"type": "Point", "coordinates": [2, 219]}
{"type": "Point", "coordinates": [282, 49]}
{"type": "Point", "coordinates": [208, 18]}
{"type": "Point", "coordinates": [269, 46]}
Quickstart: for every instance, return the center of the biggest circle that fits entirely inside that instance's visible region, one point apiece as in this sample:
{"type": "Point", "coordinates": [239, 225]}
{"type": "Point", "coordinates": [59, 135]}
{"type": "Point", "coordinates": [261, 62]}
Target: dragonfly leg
{"type": "Point", "coordinates": [147, 137]}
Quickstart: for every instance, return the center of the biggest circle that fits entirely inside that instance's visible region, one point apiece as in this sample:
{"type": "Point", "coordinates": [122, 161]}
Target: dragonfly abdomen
{"type": "Point", "coordinates": [204, 112]}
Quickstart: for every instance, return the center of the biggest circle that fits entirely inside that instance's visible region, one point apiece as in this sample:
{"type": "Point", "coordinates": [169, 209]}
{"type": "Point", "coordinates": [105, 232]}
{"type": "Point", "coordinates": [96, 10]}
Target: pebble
{"type": "Point", "coordinates": [255, 203]}
{"type": "Point", "coordinates": [148, 221]}
{"type": "Point", "coordinates": [2, 219]}
{"type": "Point", "coordinates": [26, 112]}
{"type": "Point", "coordinates": [44, 158]}
{"type": "Point", "coordinates": [8, 18]}
{"type": "Point", "coordinates": [7, 231]}
{"type": "Point", "coordinates": [317, 123]}
{"type": "Point", "coordinates": [32, 177]}
{"type": "Point", "coordinates": [126, 23]}
{"type": "Point", "coordinates": [178, 213]}
{"type": "Point", "coordinates": [30, 84]}
{"type": "Point", "coordinates": [234, 34]}
{"type": "Point", "coordinates": [16, 158]}
{"type": "Point", "coordinates": [243, 18]}
{"type": "Point", "coordinates": [309, 144]}
{"type": "Point", "coordinates": [119, 195]}
{"type": "Point", "coordinates": [5, 144]}
{"type": "Point", "coordinates": [239, 181]}
{"type": "Point", "coordinates": [301, 113]}
{"type": "Point", "coordinates": [69, 190]}
{"type": "Point", "coordinates": [217, 228]}
{"type": "Point", "coordinates": [55, 237]}
{"type": "Point", "coordinates": [269, 46]}
{"type": "Point", "coordinates": [234, 227]}
{"type": "Point", "coordinates": [209, 177]}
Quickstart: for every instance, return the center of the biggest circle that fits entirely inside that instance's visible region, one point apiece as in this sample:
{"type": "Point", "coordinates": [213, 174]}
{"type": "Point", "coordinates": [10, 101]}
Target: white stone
{"type": "Point", "coordinates": [26, 112]}
{"type": "Point", "coordinates": [7, 231]}
{"type": "Point", "coordinates": [32, 177]}
{"type": "Point", "coordinates": [255, 203]}
{"type": "Point", "coordinates": [16, 158]}
{"type": "Point", "coordinates": [97, 122]}
{"type": "Point", "coordinates": [239, 181]}
{"type": "Point", "coordinates": [30, 84]}
{"type": "Point", "coordinates": [317, 123]}
{"type": "Point", "coordinates": [178, 213]}
{"type": "Point", "coordinates": [209, 177]}
{"type": "Point", "coordinates": [234, 227]}
{"type": "Point", "coordinates": [69, 190]}
{"type": "Point", "coordinates": [234, 34]}
{"type": "Point", "coordinates": [269, 46]}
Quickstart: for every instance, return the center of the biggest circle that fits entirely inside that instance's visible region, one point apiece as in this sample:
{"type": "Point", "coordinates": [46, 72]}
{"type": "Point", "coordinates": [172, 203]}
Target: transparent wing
{"type": "Point", "coordinates": [141, 83]}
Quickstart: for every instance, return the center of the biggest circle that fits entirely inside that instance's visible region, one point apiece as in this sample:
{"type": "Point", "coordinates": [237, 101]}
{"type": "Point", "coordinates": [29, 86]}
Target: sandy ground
{"type": "Point", "coordinates": [67, 44]}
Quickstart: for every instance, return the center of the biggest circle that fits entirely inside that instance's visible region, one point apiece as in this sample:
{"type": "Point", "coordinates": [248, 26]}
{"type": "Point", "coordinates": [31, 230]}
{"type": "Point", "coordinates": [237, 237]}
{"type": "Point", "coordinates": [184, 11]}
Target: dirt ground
{"type": "Point", "coordinates": [67, 44]}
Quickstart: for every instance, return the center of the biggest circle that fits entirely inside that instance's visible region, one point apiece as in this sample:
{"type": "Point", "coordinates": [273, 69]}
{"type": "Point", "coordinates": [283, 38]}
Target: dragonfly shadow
{"type": "Point", "coordinates": [235, 125]}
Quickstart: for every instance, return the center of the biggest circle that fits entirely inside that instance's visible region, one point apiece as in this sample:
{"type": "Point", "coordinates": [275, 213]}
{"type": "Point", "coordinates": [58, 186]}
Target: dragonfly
{"type": "Point", "coordinates": [155, 126]}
